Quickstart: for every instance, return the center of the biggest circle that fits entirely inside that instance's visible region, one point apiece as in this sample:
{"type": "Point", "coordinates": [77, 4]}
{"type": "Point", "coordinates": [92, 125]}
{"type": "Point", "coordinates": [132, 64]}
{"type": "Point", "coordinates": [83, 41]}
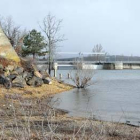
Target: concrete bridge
{"type": "Point", "coordinates": [110, 65]}
{"type": "Point", "coordinates": [114, 65]}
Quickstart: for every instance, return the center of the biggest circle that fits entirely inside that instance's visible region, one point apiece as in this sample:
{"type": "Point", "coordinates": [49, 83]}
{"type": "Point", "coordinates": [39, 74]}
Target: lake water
{"type": "Point", "coordinates": [113, 96]}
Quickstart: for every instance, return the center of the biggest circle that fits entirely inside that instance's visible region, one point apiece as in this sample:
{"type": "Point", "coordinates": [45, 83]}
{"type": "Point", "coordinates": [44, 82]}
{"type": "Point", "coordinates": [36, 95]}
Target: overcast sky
{"type": "Point", "coordinates": [115, 24]}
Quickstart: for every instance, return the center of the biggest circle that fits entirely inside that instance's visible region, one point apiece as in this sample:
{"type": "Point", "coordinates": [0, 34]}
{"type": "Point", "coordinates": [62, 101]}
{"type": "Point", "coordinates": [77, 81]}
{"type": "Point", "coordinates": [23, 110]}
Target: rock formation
{"type": "Point", "coordinates": [6, 49]}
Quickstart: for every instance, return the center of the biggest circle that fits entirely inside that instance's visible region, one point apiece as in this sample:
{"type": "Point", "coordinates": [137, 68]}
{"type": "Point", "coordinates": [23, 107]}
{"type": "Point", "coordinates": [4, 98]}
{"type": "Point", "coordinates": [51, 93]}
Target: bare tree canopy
{"type": "Point", "coordinates": [82, 75]}
{"type": "Point", "coordinates": [11, 30]}
{"type": "Point", "coordinates": [51, 28]}
{"type": "Point", "coordinates": [98, 49]}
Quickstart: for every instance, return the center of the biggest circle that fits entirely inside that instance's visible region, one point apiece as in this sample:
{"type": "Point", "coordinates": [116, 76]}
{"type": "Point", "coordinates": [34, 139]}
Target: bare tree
{"type": "Point", "coordinates": [51, 27]}
{"type": "Point", "coordinates": [98, 49]}
{"type": "Point", "coordinates": [11, 30]}
{"type": "Point", "coordinates": [82, 74]}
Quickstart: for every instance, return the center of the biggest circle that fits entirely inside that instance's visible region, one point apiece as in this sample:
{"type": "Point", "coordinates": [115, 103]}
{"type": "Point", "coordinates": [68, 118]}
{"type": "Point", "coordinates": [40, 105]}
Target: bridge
{"type": "Point", "coordinates": [107, 65]}
{"type": "Point", "coordinates": [96, 64]}
{"type": "Point", "coordinates": [92, 64]}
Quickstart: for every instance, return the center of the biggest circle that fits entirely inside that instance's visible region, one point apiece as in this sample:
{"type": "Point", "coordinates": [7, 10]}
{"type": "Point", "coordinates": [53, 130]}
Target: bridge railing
{"type": "Point", "coordinates": [89, 62]}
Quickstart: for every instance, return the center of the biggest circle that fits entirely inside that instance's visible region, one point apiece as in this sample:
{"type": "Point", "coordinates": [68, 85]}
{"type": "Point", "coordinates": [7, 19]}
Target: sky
{"type": "Point", "coordinates": [115, 24]}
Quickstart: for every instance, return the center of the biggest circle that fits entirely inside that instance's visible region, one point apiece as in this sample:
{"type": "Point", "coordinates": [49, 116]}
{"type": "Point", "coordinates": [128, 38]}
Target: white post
{"type": "Point", "coordinates": [55, 69]}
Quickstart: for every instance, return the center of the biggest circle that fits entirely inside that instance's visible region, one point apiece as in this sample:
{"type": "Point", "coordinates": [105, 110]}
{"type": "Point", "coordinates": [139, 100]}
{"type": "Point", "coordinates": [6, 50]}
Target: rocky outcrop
{"type": "Point", "coordinates": [6, 49]}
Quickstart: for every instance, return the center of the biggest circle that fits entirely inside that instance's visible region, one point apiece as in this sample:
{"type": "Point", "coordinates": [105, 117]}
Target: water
{"type": "Point", "coordinates": [113, 96]}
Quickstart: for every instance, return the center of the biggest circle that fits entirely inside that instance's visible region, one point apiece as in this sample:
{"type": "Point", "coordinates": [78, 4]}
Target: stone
{"type": "Point", "coordinates": [6, 73]}
{"type": "Point", "coordinates": [10, 68]}
{"type": "Point", "coordinates": [14, 73]}
{"type": "Point", "coordinates": [1, 69]}
{"type": "Point", "coordinates": [18, 85]}
{"type": "Point", "coordinates": [19, 70]}
{"type": "Point", "coordinates": [38, 82]}
{"type": "Point", "coordinates": [18, 82]}
{"type": "Point", "coordinates": [1, 66]}
{"type": "Point", "coordinates": [34, 67]}
{"type": "Point", "coordinates": [35, 81]}
{"type": "Point", "coordinates": [37, 74]}
{"type": "Point", "coordinates": [47, 81]}
{"type": "Point", "coordinates": [6, 49]}
{"type": "Point", "coordinates": [44, 74]}
{"type": "Point", "coordinates": [5, 81]}
{"type": "Point", "coordinates": [12, 77]}
{"type": "Point", "coordinates": [27, 75]}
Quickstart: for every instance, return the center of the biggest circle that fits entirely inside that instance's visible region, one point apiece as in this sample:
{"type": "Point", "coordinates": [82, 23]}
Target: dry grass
{"type": "Point", "coordinates": [33, 92]}
{"type": "Point", "coordinates": [49, 125]}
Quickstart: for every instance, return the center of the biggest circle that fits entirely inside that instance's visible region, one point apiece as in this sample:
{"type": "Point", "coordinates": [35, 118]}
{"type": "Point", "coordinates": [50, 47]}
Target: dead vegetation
{"type": "Point", "coordinates": [25, 119]}
{"type": "Point", "coordinates": [81, 77]}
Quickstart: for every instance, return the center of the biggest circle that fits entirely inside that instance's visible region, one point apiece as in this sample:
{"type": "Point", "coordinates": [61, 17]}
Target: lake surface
{"type": "Point", "coordinates": [113, 96]}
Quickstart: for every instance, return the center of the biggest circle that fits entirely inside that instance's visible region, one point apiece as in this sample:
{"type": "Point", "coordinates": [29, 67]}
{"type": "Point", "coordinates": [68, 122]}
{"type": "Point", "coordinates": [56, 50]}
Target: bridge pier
{"type": "Point", "coordinates": [109, 66]}
{"type": "Point", "coordinates": [118, 65]}
{"type": "Point", "coordinates": [113, 66]}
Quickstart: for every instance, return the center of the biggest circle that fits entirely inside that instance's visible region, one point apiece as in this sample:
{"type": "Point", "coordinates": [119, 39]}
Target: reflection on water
{"type": "Point", "coordinates": [114, 96]}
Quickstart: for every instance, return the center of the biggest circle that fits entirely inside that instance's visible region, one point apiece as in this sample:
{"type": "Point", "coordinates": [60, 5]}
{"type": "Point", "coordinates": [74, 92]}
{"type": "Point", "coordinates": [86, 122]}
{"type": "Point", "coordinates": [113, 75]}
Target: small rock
{"type": "Point", "coordinates": [47, 81]}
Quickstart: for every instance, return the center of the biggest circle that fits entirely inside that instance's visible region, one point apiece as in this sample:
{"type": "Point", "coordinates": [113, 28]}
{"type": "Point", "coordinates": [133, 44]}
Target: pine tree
{"type": "Point", "coordinates": [33, 44]}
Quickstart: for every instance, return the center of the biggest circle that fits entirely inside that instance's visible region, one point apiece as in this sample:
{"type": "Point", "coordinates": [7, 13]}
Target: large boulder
{"type": "Point", "coordinates": [18, 82]}
{"type": "Point", "coordinates": [35, 81]}
{"type": "Point", "coordinates": [6, 49]}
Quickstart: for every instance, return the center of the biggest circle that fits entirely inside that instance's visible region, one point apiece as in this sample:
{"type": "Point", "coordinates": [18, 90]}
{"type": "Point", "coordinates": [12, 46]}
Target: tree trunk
{"type": "Point", "coordinates": [49, 64]}
{"type": "Point", "coordinates": [49, 68]}
{"type": "Point", "coordinates": [49, 57]}
{"type": "Point", "coordinates": [33, 56]}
